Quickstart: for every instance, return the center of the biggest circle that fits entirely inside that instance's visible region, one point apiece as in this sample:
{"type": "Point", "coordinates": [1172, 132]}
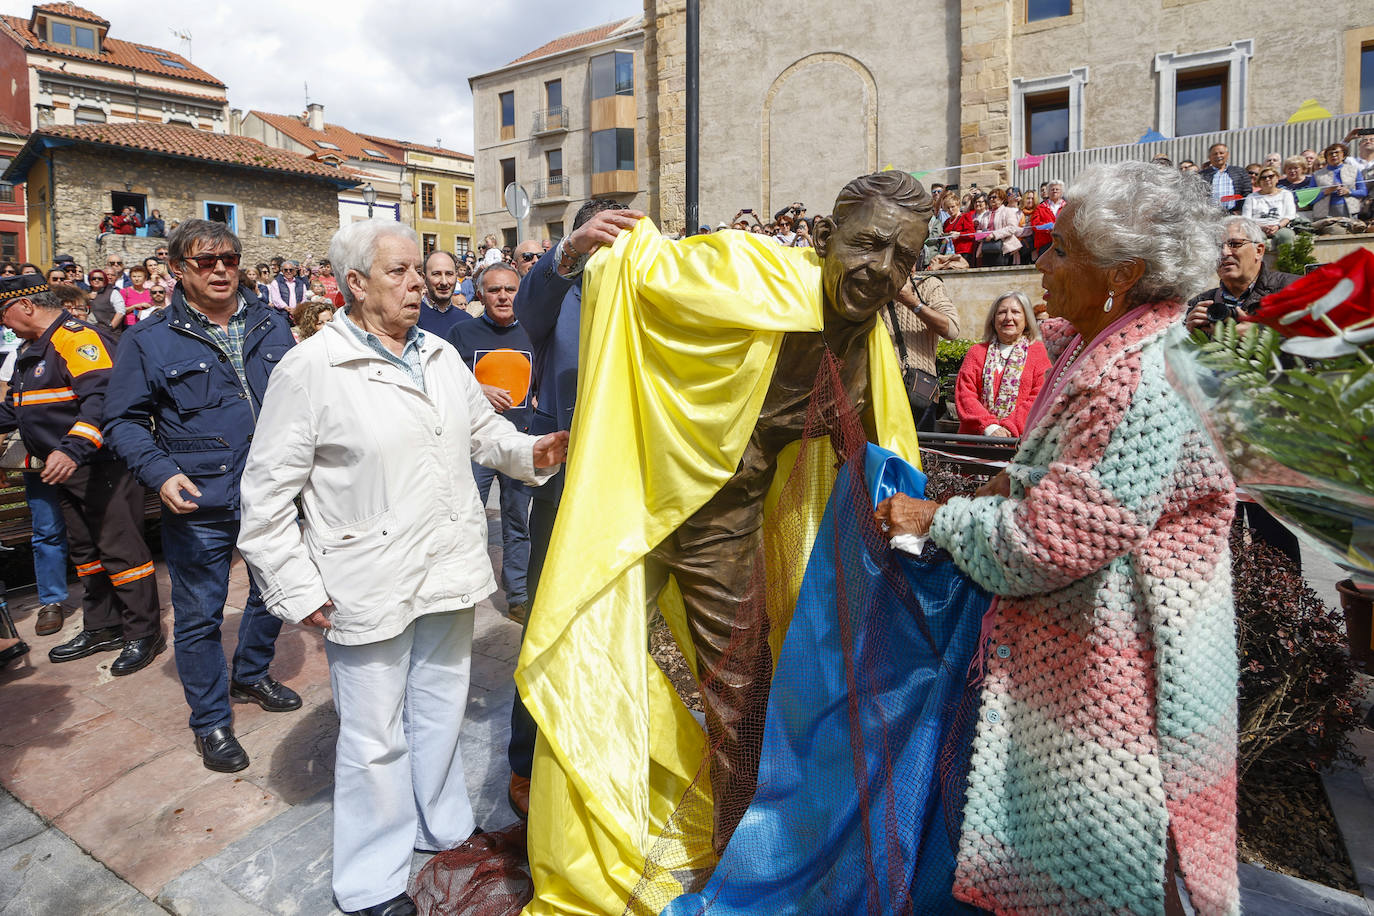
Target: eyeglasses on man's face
{"type": "Point", "coordinates": [114, 263]}
{"type": "Point", "coordinates": [527, 256]}
{"type": "Point", "coordinates": [1236, 244]}
{"type": "Point", "coordinates": [207, 261]}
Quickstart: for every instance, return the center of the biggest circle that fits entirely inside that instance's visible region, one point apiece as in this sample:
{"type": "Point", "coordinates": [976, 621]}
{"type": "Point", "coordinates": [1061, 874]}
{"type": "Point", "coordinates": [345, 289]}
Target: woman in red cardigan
{"type": "Point", "coordinates": [964, 227]}
{"type": "Point", "coordinates": [1001, 376]}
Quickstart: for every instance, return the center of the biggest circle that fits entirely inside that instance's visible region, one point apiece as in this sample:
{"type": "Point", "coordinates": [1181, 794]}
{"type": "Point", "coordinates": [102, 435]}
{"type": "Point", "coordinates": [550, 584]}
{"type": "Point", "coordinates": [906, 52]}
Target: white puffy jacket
{"type": "Point", "coordinates": [393, 525]}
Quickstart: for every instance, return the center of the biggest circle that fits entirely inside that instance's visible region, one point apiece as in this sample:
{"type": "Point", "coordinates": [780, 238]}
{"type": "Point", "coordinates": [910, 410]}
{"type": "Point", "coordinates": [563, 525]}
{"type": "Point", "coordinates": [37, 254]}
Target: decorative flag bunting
{"type": "Point", "coordinates": [1029, 162]}
{"type": "Point", "coordinates": [921, 174]}
{"type": "Point", "coordinates": [1309, 110]}
{"type": "Point", "coordinates": [1045, 227]}
{"type": "Point", "coordinates": [1307, 195]}
{"type": "Point", "coordinates": [1231, 198]}
{"type": "Point", "coordinates": [1151, 136]}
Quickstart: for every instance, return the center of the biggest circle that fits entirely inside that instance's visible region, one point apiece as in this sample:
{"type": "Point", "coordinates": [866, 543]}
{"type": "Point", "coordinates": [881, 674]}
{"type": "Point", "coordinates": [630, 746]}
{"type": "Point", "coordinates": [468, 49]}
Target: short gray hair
{"type": "Point", "coordinates": [1054, 182]}
{"type": "Point", "coordinates": [1246, 225]}
{"type": "Point", "coordinates": [354, 246]}
{"type": "Point", "coordinates": [1032, 326]}
{"type": "Point", "coordinates": [44, 299]}
{"type": "Point", "coordinates": [479, 279]}
{"type": "Point", "coordinates": [212, 233]}
{"type": "Point", "coordinates": [1126, 211]}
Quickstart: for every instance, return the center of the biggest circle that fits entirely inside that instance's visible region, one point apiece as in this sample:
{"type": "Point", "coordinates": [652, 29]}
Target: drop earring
{"type": "Point", "coordinates": [1111, 301]}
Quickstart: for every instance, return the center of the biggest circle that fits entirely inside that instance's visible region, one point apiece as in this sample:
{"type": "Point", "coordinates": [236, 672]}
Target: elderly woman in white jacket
{"type": "Point", "coordinates": [372, 422]}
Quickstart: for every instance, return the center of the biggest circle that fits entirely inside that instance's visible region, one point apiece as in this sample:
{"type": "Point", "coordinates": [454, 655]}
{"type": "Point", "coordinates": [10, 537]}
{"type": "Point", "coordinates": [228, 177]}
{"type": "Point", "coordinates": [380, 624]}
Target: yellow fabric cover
{"type": "Point", "coordinates": [679, 341]}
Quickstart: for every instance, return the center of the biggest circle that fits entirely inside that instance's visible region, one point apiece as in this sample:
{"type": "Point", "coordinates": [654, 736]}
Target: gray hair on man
{"type": "Point", "coordinates": [354, 246]}
{"type": "Point", "coordinates": [1032, 331]}
{"type": "Point", "coordinates": [199, 233]}
{"type": "Point", "coordinates": [479, 279]}
{"type": "Point", "coordinates": [1136, 211]}
{"type": "Point", "coordinates": [1251, 229]}
{"type": "Point", "coordinates": [44, 299]}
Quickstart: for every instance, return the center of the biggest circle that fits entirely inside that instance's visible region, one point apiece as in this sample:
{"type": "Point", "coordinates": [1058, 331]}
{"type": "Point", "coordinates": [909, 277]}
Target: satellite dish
{"type": "Point", "coordinates": [517, 201]}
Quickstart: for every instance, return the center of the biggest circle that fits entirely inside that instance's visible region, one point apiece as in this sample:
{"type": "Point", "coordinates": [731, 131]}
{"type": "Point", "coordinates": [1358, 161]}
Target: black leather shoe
{"type": "Point", "coordinates": [221, 751]}
{"type": "Point", "coordinates": [18, 650]}
{"type": "Point", "coordinates": [400, 905]}
{"type": "Point", "coordinates": [269, 693]}
{"type": "Point", "coordinates": [138, 654]}
{"type": "Point", "coordinates": [87, 642]}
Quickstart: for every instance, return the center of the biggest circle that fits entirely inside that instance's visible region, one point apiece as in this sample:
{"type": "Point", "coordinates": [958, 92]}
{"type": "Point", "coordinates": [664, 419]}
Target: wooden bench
{"type": "Point", "coordinates": [16, 527]}
{"type": "Point", "coordinates": [969, 454]}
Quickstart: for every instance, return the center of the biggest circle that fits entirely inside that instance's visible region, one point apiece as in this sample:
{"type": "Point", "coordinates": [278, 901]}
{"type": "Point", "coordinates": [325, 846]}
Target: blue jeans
{"type": "Point", "coordinates": [198, 555]}
{"type": "Point", "coordinates": [523, 731]}
{"type": "Point", "coordinates": [49, 539]}
{"type": "Point", "coordinates": [515, 529]}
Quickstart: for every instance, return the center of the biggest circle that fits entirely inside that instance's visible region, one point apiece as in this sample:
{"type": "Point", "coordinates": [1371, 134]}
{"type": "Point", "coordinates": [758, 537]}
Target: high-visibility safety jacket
{"type": "Point", "coordinates": [57, 393]}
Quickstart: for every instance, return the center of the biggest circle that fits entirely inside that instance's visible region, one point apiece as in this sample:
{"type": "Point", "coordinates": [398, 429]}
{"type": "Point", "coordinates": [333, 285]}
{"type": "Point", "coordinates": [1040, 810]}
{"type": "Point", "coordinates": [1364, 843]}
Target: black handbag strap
{"type": "Point", "coordinates": [897, 332]}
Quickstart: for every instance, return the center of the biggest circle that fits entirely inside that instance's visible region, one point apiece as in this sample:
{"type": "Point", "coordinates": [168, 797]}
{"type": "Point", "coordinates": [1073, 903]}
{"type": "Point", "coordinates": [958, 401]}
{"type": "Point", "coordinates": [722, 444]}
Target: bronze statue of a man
{"type": "Point", "coordinates": [868, 249]}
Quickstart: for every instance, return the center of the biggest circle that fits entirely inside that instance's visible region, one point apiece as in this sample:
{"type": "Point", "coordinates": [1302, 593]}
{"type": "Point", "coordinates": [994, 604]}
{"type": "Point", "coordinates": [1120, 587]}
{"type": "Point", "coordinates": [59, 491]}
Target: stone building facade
{"type": "Point", "coordinates": [273, 211]}
{"type": "Point", "coordinates": [567, 121]}
{"type": "Point", "coordinates": [795, 103]}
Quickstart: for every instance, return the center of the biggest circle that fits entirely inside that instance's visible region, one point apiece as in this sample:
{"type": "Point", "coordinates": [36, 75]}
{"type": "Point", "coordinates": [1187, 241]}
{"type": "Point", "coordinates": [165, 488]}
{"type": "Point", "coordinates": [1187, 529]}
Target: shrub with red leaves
{"type": "Point", "coordinates": [1299, 693]}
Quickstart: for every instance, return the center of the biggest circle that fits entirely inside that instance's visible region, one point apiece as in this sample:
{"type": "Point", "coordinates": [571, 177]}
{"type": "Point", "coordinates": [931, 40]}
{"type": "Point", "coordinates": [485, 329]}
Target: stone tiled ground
{"type": "Point", "coordinates": [115, 815]}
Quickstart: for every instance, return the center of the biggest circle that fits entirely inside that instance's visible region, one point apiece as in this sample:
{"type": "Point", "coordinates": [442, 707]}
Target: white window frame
{"type": "Point", "coordinates": [1236, 56]}
{"type": "Point", "coordinates": [1074, 81]}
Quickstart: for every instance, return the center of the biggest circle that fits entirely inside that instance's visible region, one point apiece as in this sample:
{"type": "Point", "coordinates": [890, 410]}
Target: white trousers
{"type": "Point", "coordinates": [398, 770]}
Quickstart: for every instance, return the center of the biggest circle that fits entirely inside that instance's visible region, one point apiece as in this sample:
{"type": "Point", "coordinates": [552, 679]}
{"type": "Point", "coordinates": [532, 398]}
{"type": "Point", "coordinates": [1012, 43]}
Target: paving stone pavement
{"type": "Point", "coordinates": [115, 815]}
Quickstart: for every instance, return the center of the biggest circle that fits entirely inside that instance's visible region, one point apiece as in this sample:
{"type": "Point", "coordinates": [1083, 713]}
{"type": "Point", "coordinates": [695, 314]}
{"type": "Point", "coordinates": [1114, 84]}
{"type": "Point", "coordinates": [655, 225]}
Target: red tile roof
{"type": "Point", "coordinates": [71, 11]}
{"type": "Point", "coordinates": [576, 40]}
{"type": "Point", "coordinates": [189, 143]}
{"type": "Point", "coordinates": [418, 147]}
{"type": "Point", "coordinates": [115, 53]}
{"type": "Point", "coordinates": [87, 77]}
{"type": "Point", "coordinates": [350, 145]}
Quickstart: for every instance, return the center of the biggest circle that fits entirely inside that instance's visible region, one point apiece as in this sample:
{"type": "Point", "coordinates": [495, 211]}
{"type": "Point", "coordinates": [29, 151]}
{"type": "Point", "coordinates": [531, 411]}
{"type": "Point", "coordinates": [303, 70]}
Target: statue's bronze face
{"type": "Point", "coordinates": [867, 256]}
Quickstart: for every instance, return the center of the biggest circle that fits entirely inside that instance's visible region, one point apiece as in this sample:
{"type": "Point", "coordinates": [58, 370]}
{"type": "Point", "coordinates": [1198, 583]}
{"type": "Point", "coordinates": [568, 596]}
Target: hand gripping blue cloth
{"type": "Point", "coordinates": [852, 814]}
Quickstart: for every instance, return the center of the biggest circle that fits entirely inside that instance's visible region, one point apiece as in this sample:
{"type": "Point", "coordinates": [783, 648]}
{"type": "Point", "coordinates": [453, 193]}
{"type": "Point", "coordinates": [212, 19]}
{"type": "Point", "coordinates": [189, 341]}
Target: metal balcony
{"type": "Point", "coordinates": [550, 120]}
{"type": "Point", "coordinates": [549, 190]}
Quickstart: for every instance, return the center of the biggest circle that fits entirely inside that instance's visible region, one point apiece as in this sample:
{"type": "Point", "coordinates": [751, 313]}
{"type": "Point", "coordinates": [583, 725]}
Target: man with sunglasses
{"type": "Point", "coordinates": [114, 271]}
{"type": "Point", "coordinates": [441, 310]}
{"type": "Point", "coordinates": [56, 399]}
{"type": "Point", "coordinates": [526, 253]}
{"type": "Point", "coordinates": [289, 289]}
{"type": "Point", "coordinates": [181, 410]}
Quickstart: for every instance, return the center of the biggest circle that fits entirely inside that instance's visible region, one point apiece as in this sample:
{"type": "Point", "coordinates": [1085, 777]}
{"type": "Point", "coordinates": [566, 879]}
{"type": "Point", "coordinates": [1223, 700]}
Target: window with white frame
{"type": "Point", "coordinates": [1204, 91]}
{"type": "Point", "coordinates": [1047, 113]}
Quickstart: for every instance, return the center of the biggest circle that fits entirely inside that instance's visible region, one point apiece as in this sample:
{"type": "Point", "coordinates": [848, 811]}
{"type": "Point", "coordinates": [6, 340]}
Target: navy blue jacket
{"type": "Point", "coordinates": [175, 404]}
{"type": "Point", "coordinates": [550, 309]}
{"type": "Point", "coordinates": [482, 335]}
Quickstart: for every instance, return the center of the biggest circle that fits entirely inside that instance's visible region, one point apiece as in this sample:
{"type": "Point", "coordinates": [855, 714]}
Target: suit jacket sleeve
{"type": "Point", "coordinates": [540, 297]}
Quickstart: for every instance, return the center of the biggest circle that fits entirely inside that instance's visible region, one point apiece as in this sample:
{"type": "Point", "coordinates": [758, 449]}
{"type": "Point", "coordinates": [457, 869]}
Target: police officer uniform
{"type": "Point", "coordinates": [56, 399]}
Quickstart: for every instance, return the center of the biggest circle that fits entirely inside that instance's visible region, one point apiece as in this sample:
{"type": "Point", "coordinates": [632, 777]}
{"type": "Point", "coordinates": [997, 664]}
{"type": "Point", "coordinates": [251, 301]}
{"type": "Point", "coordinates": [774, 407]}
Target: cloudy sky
{"type": "Point", "coordinates": [395, 69]}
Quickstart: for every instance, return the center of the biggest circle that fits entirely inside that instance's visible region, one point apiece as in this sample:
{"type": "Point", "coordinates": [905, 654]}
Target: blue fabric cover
{"type": "Point", "coordinates": [805, 846]}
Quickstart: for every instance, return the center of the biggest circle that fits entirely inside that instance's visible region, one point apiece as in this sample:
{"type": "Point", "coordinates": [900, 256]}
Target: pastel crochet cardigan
{"type": "Point", "coordinates": [1108, 710]}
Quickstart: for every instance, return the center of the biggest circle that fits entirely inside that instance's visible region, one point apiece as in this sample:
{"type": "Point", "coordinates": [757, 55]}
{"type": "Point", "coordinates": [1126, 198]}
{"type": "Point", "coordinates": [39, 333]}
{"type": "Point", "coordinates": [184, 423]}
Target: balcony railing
{"type": "Point", "coordinates": [549, 189]}
{"type": "Point", "coordinates": [549, 120]}
{"type": "Point", "coordinates": [1247, 144]}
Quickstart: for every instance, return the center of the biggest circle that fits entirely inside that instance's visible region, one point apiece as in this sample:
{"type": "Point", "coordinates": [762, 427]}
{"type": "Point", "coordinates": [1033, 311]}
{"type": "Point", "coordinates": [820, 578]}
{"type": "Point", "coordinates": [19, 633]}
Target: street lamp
{"type": "Point", "coordinates": [369, 197]}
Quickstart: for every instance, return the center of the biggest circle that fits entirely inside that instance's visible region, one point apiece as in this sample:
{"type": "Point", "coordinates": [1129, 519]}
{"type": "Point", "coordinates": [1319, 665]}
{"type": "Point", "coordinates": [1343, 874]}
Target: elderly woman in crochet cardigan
{"type": "Point", "coordinates": [1103, 762]}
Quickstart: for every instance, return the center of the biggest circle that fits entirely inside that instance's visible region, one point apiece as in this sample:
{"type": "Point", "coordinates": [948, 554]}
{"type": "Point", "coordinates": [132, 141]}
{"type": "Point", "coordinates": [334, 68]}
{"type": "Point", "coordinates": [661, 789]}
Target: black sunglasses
{"type": "Point", "coordinates": [207, 261]}
{"type": "Point", "coordinates": [528, 256]}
